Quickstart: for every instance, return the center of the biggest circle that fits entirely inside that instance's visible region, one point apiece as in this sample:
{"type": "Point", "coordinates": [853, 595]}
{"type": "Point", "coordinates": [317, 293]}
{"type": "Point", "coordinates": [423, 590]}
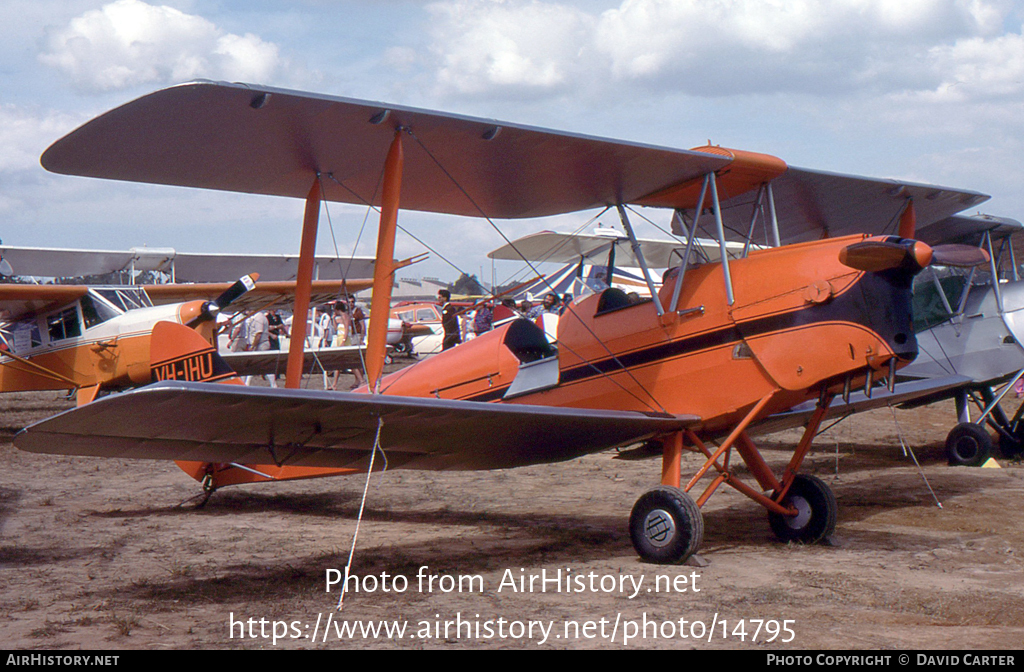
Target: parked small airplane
{"type": "Point", "coordinates": [971, 323]}
{"type": "Point", "coordinates": [716, 348]}
{"type": "Point", "coordinates": [97, 339]}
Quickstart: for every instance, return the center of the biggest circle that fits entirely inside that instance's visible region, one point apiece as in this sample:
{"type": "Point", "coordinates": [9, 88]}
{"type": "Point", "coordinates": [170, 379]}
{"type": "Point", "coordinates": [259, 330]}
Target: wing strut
{"type": "Point", "coordinates": [383, 270]}
{"type": "Point", "coordinates": [303, 286]}
{"type": "Point", "coordinates": [638, 253]}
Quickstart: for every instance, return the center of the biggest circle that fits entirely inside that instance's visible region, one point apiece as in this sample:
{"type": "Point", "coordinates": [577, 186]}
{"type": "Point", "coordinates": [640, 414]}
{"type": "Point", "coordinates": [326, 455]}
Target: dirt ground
{"type": "Point", "coordinates": [114, 554]}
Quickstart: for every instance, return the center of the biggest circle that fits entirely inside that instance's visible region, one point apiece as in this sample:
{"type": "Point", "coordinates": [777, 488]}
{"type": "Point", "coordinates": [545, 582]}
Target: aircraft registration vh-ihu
{"type": "Point", "coordinates": [716, 348]}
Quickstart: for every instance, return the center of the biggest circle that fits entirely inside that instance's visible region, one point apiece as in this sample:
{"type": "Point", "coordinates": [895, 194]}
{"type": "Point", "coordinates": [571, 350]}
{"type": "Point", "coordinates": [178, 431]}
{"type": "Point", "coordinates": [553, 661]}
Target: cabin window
{"type": "Point", "coordinates": [95, 312]}
{"type": "Point", "coordinates": [426, 315]}
{"type": "Point", "coordinates": [126, 299]}
{"type": "Point", "coordinates": [64, 324]}
{"type": "Point", "coordinates": [405, 316]}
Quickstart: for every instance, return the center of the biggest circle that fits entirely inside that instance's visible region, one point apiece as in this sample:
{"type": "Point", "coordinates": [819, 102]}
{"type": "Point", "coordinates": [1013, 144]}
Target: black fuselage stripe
{"type": "Point", "coordinates": [636, 359]}
{"type": "Point", "coordinates": [847, 307]}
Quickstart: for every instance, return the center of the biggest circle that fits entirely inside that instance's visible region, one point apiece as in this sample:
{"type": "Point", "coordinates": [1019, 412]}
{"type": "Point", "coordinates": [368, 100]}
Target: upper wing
{"type": "Point", "coordinates": [968, 230]}
{"type": "Point", "coordinates": [192, 267]}
{"type": "Point", "coordinates": [813, 204]}
{"type": "Point", "coordinates": [257, 362]}
{"type": "Point", "coordinates": [565, 248]}
{"type": "Point", "coordinates": [255, 139]}
{"type": "Point", "coordinates": [236, 137]}
{"type": "Point", "coordinates": [250, 425]}
{"type": "Point", "coordinates": [17, 301]}
{"type": "Point", "coordinates": [51, 262]}
{"type": "Point", "coordinates": [262, 296]}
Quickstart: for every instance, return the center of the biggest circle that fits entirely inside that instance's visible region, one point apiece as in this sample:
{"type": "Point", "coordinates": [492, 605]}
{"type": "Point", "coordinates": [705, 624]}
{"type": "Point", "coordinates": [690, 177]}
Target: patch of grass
{"type": "Point", "coordinates": [125, 623]}
{"type": "Point", "coordinates": [49, 629]}
{"type": "Point", "coordinates": [180, 570]}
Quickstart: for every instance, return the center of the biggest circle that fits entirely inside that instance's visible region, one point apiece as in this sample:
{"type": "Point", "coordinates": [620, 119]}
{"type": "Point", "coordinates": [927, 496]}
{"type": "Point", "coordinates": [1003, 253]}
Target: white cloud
{"type": "Point", "coordinates": [531, 47]}
{"type": "Point", "coordinates": [130, 43]}
{"type": "Point", "coordinates": [723, 47]}
{"type": "Point", "coordinates": [25, 134]}
{"type": "Point", "coordinates": [981, 68]}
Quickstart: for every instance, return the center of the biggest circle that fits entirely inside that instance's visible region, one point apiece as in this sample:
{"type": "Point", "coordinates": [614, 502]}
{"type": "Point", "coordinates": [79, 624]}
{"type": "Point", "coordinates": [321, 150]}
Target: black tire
{"type": "Point", "coordinates": [1011, 448]}
{"type": "Point", "coordinates": [666, 526]}
{"type": "Point", "coordinates": [817, 509]}
{"type": "Point", "coordinates": [968, 445]}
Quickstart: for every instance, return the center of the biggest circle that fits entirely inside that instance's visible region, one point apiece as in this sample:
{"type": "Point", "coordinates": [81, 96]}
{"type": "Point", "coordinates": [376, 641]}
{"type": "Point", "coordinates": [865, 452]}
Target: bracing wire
{"type": "Point", "coordinates": [908, 450]}
{"type": "Point", "coordinates": [607, 375]}
{"type": "Point", "coordinates": [362, 507]}
{"type": "Point", "coordinates": [501, 233]}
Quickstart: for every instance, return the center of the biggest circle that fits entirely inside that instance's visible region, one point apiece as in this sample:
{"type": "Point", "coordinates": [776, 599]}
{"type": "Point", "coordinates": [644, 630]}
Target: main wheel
{"type": "Point", "coordinates": [816, 511]}
{"type": "Point", "coordinates": [666, 526]}
{"type": "Point", "coordinates": [968, 445]}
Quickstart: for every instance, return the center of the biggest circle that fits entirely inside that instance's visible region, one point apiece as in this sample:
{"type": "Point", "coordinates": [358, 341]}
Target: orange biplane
{"type": "Point", "coordinates": [718, 347]}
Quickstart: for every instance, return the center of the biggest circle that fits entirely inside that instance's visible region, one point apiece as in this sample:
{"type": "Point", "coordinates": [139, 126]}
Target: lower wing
{"type": "Point", "coordinates": [255, 425]}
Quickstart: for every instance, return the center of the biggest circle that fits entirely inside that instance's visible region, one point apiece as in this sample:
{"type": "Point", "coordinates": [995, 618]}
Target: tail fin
{"type": "Point", "coordinates": [177, 352]}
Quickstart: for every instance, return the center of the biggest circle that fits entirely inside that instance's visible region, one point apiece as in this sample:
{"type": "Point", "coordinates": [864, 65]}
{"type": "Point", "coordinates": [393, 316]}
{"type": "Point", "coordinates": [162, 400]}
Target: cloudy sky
{"type": "Point", "coordinates": [924, 90]}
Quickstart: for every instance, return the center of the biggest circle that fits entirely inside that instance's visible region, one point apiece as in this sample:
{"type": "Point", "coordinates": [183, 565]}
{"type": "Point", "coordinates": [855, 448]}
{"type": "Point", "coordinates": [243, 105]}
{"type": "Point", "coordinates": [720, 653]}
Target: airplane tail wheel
{"type": "Point", "coordinates": [968, 445]}
{"type": "Point", "coordinates": [666, 526]}
{"type": "Point", "coordinates": [1011, 447]}
{"type": "Point", "coordinates": [816, 512]}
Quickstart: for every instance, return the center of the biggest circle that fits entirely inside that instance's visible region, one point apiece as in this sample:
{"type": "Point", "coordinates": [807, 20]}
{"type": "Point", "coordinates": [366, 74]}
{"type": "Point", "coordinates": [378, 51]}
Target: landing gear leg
{"type": "Point", "coordinates": [666, 525]}
{"type": "Point", "coordinates": [1011, 443]}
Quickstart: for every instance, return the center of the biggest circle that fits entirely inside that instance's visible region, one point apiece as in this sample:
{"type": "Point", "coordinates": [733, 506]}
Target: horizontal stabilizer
{"type": "Point", "coordinates": [246, 425]}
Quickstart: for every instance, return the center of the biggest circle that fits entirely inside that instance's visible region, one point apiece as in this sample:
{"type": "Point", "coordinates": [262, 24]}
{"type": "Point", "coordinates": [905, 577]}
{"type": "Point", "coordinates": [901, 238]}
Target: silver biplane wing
{"type": "Point", "coordinates": [50, 262]}
{"type": "Point", "coordinates": [969, 229]}
{"type": "Point", "coordinates": [562, 248]}
{"type": "Point", "coordinates": [246, 425]}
